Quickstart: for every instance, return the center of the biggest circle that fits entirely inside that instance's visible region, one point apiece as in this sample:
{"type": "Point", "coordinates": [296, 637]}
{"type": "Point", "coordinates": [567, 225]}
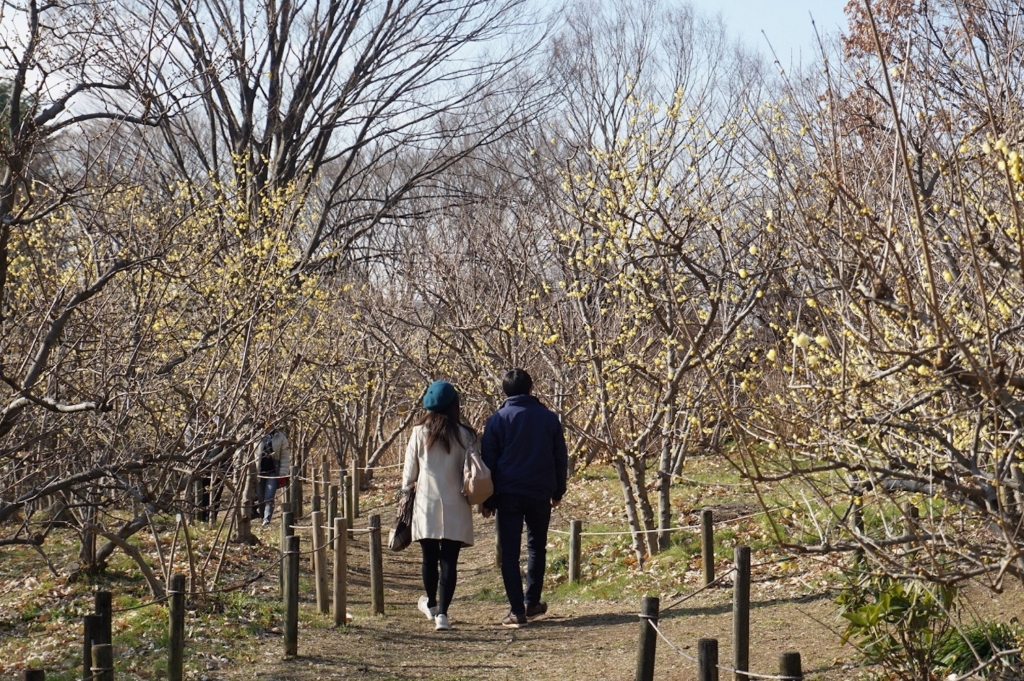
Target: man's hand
{"type": "Point", "coordinates": [555, 503]}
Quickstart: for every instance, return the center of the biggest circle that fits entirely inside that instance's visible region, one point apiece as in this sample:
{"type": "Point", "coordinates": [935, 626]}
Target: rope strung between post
{"type": "Point", "coordinates": [142, 605]}
{"type": "Point", "coordinates": [728, 670]}
{"type": "Point", "coordinates": [650, 621]}
{"type": "Point", "coordinates": [325, 526]}
{"type": "Point", "coordinates": [387, 467]}
{"type": "Point", "coordinates": [625, 532]}
{"type": "Point", "coordinates": [251, 580]}
{"type": "Point", "coordinates": [336, 472]}
{"type": "Point", "coordinates": [223, 590]}
{"type": "Point", "coordinates": [694, 528]}
{"type": "Point", "coordinates": [720, 578]}
{"type": "Point", "coordinates": [694, 593]}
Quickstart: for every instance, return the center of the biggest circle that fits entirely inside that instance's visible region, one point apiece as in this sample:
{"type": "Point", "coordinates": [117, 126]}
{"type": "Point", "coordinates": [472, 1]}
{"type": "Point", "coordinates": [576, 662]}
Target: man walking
{"type": "Point", "coordinates": [524, 446]}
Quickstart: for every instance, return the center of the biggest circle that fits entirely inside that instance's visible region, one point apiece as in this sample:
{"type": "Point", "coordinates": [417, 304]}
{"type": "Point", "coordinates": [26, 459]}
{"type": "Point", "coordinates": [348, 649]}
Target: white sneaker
{"type": "Point", "coordinates": [422, 606]}
{"type": "Point", "coordinates": [441, 623]}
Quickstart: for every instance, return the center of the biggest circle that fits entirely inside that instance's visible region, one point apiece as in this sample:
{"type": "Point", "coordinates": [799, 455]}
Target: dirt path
{"type": "Point", "coordinates": [577, 639]}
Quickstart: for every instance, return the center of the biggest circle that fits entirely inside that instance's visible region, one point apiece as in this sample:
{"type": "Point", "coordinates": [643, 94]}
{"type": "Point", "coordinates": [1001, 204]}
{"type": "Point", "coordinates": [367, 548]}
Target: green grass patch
{"type": "Point", "coordinates": [490, 594]}
{"type": "Point", "coordinates": [40, 614]}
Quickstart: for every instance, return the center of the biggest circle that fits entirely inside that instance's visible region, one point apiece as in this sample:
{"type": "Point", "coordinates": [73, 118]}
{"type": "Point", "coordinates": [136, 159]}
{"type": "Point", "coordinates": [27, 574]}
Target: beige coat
{"type": "Point", "coordinates": [440, 511]}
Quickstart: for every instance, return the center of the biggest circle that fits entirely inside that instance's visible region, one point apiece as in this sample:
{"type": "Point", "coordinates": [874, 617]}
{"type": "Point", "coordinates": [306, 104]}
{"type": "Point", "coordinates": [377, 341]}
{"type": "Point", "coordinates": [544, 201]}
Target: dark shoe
{"type": "Point", "coordinates": [536, 610]}
{"type": "Point", "coordinates": [514, 621]}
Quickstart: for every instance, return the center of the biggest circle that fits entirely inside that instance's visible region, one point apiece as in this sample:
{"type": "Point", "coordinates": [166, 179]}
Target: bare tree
{"type": "Point", "coordinates": [356, 103]}
{"type": "Point", "coordinates": [895, 395]}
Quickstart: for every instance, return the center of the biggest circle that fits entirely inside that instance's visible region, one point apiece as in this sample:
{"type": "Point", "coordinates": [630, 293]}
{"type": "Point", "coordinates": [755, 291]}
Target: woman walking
{"type": "Point", "coordinates": [442, 520]}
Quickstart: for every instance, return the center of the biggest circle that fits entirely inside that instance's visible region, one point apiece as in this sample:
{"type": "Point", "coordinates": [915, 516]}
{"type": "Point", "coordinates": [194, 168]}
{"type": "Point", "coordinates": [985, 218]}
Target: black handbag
{"type": "Point", "coordinates": [401, 534]}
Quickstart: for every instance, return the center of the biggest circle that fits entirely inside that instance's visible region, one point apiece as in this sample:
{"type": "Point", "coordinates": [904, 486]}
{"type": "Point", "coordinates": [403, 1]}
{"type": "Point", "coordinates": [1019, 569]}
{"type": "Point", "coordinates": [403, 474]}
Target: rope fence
{"type": "Point", "coordinates": [707, 649]}
{"type": "Point", "coordinates": [620, 533]}
{"type": "Point", "coordinates": [729, 670]}
{"type": "Point", "coordinates": [324, 522]}
{"type": "Point", "coordinates": [656, 530]}
{"type": "Point", "coordinates": [707, 586]}
{"type": "Point", "coordinates": [155, 601]}
{"type": "Point", "coordinates": [335, 473]}
{"type": "Point", "coordinates": [288, 561]}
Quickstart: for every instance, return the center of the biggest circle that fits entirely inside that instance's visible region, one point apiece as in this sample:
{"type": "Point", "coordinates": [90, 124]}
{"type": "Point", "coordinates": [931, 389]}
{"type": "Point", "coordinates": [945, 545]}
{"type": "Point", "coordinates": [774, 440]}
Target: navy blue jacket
{"type": "Point", "coordinates": [524, 446]}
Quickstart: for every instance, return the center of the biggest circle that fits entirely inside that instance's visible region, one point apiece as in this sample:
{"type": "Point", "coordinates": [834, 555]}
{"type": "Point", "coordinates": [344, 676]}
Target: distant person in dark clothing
{"type": "Point", "coordinates": [524, 446]}
{"type": "Point", "coordinates": [274, 467]}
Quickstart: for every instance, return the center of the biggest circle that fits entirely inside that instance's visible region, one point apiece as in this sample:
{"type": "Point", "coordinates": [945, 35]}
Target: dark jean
{"type": "Point", "coordinates": [513, 511]}
{"type": "Point", "coordinates": [266, 488]}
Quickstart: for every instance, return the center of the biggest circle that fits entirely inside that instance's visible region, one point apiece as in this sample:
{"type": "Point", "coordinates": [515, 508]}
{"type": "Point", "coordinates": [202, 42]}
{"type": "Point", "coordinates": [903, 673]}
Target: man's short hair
{"type": "Point", "coordinates": [517, 382]}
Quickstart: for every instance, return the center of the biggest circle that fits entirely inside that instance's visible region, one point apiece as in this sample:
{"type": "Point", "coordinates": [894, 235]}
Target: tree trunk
{"type": "Point", "coordinates": [243, 511]}
{"type": "Point", "coordinates": [643, 501]}
{"type": "Point", "coordinates": [87, 552]}
{"type": "Point", "coordinates": [639, 538]}
{"type": "Point", "coordinates": [155, 587]}
{"type": "Point", "coordinates": [664, 490]}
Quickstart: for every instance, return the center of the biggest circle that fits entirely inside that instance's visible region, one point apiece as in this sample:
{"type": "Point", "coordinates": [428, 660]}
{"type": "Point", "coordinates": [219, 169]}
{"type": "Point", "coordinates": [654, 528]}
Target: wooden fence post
{"type": "Point", "coordinates": [648, 638]}
{"type": "Point", "coordinates": [91, 625]}
{"type": "Point", "coordinates": [332, 511]}
{"type": "Point", "coordinates": [291, 599]}
{"type": "Point", "coordinates": [102, 662]}
{"type": "Point", "coordinates": [575, 527]}
{"type": "Point", "coordinates": [789, 666]}
{"type": "Point", "coordinates": [320, 563]}
{"type": "Point", "coordinates": [296, 493]}
{"type": "Point", "coordinates": [707, 544]}
{"type": "Point", "coordinates": [347, 481]}
{"type": "Point", "coordinates": [707, 659]}
{"type": "Point", "coordinates": [340, 573]}
{"type": "Point", "coordinates": [315, 508]}
{"type": "Point", "coordinates": [105, 609]}
{"type": "Point", "coordinates": [286, 531]}
{"type": "Point", "coordinates": [741, 614]}
{"type": "Point", "coordinates": [176, 632]}
{"type": "Point", "coordinates": [357, 481]}
{"type": "Point", "coordinates": [376, 567]}
{"type": "Point", "coordinates": [34, 675]}
{"type": "Point", "coordinates": [325, 479]}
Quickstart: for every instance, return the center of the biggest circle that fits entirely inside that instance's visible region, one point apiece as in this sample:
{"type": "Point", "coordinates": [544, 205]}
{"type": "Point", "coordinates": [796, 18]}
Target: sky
{"type": "Point", "coordinates": [786, 23]}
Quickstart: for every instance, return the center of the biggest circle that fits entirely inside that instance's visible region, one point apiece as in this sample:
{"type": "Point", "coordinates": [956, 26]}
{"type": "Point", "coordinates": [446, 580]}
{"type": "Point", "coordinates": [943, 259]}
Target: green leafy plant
{"type": "Point", "coordinates": [898, 624]}
{"type": "Point", "coordinates": [963, 650]}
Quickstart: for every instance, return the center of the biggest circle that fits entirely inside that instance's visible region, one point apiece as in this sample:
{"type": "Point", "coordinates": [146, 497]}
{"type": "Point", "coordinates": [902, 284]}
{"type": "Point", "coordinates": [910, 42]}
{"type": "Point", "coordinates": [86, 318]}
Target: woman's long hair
{"type": "Point", "coordinates": [443, 426]}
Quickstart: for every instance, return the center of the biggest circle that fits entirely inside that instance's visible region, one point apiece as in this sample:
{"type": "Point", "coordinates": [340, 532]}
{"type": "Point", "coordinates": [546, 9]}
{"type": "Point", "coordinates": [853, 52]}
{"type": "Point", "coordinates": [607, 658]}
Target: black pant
{"type": "Point", "coordinates": [513, 511]}
{"type": "Point", "coordinates": [443, 552]}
